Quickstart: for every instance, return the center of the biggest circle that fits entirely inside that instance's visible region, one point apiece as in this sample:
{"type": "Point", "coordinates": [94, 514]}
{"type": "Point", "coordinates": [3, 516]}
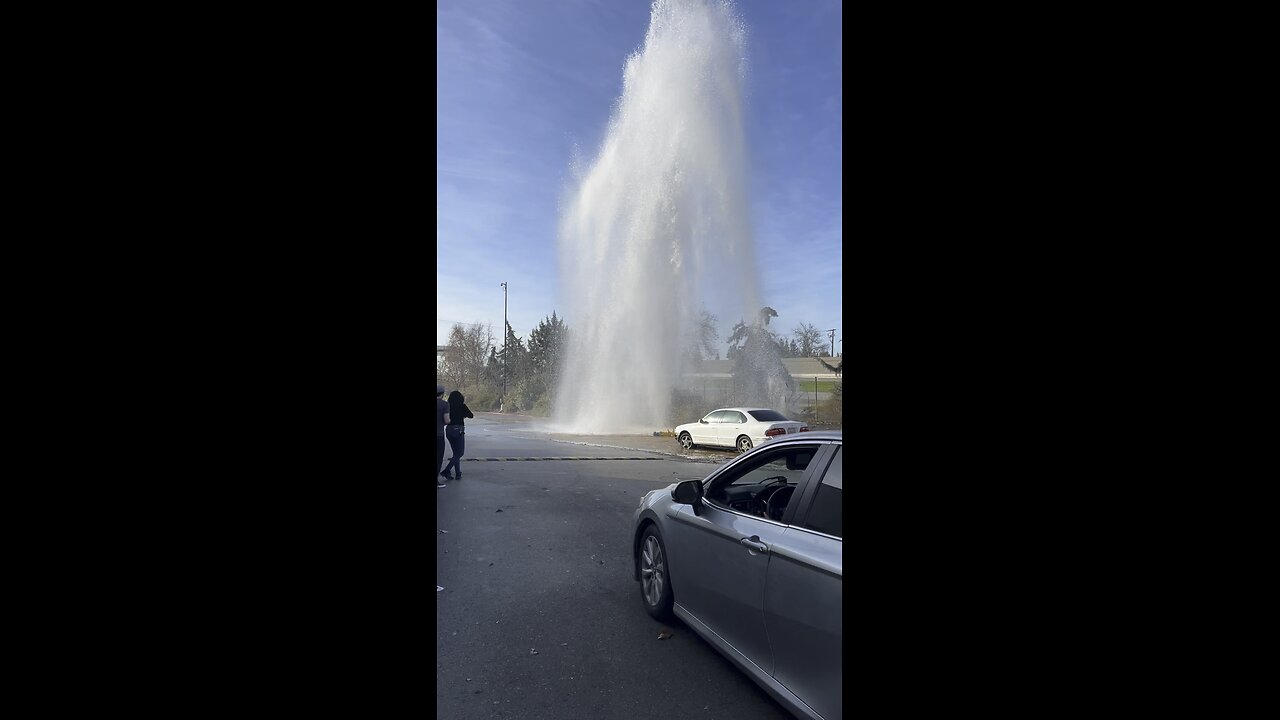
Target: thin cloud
{"type": "Point", "coordinates": [519, 84]}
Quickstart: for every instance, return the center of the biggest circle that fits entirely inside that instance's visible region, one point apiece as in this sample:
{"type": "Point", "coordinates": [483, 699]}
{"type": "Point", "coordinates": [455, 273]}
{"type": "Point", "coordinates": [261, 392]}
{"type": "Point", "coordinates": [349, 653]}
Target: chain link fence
{"type": "Point", "coordinates": [816, 399]}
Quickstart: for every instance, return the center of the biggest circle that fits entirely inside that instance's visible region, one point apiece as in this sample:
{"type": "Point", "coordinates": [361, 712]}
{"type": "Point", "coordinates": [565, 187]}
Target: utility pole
{"type": "Point", "coordinates": [502, 397]}
{"type": "Point", "coordinates": [832, 334]}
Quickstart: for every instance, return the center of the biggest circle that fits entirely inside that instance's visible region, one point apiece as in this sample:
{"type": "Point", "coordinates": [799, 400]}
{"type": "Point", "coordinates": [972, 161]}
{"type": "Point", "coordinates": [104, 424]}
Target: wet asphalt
{"type": "Point", "coordinates": [540, 616]}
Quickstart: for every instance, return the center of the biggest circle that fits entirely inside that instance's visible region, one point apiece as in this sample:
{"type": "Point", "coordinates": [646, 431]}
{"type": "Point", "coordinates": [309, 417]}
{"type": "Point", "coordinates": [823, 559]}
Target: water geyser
{"type": "Point", "coordinates": [656, 226]}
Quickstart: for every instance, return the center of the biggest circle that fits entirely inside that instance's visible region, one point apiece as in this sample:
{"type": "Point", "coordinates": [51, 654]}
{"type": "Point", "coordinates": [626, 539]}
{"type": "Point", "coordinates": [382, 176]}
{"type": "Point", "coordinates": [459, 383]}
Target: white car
{"type": "Point", "coordinates": [742, 428]}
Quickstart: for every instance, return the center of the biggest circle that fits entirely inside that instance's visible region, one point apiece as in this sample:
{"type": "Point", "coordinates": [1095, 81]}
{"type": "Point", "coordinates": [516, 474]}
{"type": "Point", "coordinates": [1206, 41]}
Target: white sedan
{"type": "Point", "coordinates": [742, 428]}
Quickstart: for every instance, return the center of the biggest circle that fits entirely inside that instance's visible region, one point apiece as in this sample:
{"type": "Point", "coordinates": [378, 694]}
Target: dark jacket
{"type": "Point", "coordinates": [458, 410]}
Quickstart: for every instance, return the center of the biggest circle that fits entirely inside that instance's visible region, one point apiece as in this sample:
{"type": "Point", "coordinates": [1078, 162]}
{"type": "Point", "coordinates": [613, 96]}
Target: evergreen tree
{"type": "Point", "coordinates": [701, 342]}
{"type": "Point", "coordinates": [513, 357]}
{"type": "Point", "coordinates": [759, 376]}
{"type": "Point", "coordinates": [547, 345]}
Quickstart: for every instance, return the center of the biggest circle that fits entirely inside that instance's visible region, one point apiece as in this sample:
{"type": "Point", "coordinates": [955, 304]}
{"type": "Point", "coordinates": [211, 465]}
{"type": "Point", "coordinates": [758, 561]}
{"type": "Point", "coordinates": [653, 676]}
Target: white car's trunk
{"type": "Point", "coordinates": [791, 427]}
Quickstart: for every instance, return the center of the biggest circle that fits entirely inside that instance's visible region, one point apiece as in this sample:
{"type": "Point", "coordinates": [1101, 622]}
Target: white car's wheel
{"type": "Point", "coordinates": [744, 443]}
{"type": "Point", "coordinates": [686, 441]}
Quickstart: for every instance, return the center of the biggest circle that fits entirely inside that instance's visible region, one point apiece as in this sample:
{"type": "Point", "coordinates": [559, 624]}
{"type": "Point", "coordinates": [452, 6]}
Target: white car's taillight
{"type": "Point", "coordinates": [771, 432]}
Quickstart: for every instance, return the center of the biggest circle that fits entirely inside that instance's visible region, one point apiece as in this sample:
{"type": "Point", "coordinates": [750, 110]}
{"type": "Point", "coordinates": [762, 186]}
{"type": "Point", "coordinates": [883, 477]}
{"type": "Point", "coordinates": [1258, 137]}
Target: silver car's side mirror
{"type": "Point", "coordinates": [703, 421]}
{"type": "Point", "coordinates": [689, 492]}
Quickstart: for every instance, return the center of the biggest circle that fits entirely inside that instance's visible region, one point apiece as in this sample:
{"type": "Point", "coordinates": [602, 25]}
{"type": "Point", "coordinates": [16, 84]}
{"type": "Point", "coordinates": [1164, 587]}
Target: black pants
{"type": "Point", "coordinates": [458, 441]}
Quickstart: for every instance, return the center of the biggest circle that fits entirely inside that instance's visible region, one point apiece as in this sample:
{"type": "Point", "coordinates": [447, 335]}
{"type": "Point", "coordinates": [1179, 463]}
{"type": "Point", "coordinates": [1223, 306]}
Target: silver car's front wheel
{"type": "Point", "coordinates": [686, 441]}
{"type": "Point", "coordinates": [655, 585]}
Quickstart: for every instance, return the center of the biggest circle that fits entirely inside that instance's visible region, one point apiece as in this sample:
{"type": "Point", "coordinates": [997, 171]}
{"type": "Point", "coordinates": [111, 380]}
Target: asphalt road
{"type": "Point", "coordinates": [540, 617]}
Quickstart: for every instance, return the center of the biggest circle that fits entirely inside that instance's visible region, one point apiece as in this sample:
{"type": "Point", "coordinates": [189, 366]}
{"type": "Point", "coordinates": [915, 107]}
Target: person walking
{"type": "Point", "coordinates": [442, 419]}
{"type": "Point", "coordinates": [456, 431]}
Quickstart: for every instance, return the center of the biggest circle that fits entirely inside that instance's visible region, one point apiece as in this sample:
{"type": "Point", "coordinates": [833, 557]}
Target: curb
{"type": "Point", "coordinates": [525, 459]}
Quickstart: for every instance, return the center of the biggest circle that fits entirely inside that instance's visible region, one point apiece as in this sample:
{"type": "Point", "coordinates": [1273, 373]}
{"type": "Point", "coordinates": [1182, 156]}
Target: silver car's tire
{"type": "Point", "coordinates": [744, 443]}
{"type": "Point", "coordinates": [686, 441]}
{"type": "Point", "coordinates": [655, 582]}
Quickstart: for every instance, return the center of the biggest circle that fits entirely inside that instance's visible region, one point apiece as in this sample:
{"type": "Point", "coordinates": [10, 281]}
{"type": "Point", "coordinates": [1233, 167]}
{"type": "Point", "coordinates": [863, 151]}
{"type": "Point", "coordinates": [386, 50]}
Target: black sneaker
{"type": "Point", "coordinates": [446, 476]}
{"type": "Point", "coordinates": [439, 484]}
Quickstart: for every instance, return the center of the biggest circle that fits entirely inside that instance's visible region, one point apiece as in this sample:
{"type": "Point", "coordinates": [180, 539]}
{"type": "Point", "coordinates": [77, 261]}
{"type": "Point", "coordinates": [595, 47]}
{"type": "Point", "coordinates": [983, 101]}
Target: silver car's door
{"type": "Point", "coordinates": [803, 592]}
{"type": "Point", "coordinates": [721, 582]}
{"type": "Point", "coordinates": [719, 558]}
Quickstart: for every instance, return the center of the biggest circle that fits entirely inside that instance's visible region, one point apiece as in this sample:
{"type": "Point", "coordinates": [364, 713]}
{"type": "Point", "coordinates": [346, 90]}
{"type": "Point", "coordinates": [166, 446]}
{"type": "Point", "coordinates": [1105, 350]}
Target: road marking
{"type": "Point", "coordinates": [520, 459]}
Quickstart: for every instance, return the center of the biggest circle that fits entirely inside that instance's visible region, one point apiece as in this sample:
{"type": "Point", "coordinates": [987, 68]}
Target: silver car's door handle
{"type": "Point", "coordinates": [754, 543]}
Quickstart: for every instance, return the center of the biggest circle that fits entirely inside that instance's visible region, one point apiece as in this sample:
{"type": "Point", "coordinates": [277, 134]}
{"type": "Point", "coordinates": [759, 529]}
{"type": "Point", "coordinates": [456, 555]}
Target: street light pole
{"type": "Point", "coordinates": [832, 334]}
{"type": "Point", "coordinates": [502, 397]}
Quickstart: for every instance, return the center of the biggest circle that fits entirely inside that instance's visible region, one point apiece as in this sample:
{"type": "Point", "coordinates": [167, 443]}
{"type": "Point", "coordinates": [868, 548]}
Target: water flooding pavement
{"type": "Point", "coordinates": [663, 444]}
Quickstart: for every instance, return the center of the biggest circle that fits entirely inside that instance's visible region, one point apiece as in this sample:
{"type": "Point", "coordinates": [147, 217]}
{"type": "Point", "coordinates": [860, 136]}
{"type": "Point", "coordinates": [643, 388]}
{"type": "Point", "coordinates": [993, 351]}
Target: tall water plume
{"type": "Point", "coordinates": [656, 226]}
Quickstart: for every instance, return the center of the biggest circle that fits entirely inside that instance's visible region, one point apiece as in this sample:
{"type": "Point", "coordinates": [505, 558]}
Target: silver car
{"type": "Point", "coordinates": [750, 558]}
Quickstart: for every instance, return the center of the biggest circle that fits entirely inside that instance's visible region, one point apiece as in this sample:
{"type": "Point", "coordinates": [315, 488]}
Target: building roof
{"type": "Point", "coordinates": [797, 367]}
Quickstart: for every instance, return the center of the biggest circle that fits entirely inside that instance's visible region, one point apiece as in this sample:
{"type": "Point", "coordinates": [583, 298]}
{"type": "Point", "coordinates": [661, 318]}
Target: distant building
{"type": "Point", "coordinates": [805, 367]}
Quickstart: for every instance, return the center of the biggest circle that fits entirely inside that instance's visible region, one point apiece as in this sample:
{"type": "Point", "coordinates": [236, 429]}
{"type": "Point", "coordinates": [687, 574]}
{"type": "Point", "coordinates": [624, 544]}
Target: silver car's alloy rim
{"type": "Point", "coordinates": [685, 441]}
{"type": "Point", "coordinates": [652, 570]}
{"type": "Point", "coordinates": [744, 445]}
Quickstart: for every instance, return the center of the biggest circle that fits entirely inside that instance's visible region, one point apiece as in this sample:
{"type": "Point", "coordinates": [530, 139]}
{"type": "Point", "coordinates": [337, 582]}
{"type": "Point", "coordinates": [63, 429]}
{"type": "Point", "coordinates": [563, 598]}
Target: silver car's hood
{"type": "Point", "coordinates": [653, 496]}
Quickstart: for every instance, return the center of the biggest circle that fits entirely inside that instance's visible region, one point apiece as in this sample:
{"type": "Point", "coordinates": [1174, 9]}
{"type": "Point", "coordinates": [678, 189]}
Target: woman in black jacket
{"type": "Point", "coordinates": [456, 431]}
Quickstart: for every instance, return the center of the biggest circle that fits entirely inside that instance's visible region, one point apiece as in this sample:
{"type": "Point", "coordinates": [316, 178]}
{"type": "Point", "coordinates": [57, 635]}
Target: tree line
{"type": "Point", "coordinates": [518, 376]}
{"type": "Point", "coordinates": [530, 367]}
{"type": "Point", "coordinates": [805, 340]}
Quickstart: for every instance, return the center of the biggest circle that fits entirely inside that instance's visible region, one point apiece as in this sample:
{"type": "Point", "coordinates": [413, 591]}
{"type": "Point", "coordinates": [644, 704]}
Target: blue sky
{"type": "Point", "coordinates": [522, 87]}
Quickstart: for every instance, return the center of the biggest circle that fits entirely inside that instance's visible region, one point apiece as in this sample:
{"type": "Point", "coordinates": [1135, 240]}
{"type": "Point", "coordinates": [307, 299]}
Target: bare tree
{"type": "Point", "coordinates": [465, 355]}
{"type": "Point", "coordinates": [809, 338]}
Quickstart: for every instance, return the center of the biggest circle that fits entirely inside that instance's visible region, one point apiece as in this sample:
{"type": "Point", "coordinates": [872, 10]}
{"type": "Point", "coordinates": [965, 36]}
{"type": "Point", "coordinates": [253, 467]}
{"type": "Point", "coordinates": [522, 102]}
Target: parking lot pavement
{"type": "Point", "coordinates": [538, 612]}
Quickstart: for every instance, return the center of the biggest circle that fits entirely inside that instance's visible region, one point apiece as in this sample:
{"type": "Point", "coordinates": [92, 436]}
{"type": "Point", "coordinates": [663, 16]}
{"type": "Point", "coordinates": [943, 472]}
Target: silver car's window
{"type": "Point", "coordinates": [734, 417]}
{"type": "Point", "coordinates": [718, 416]}
{"type": "Point", "coordinates": [827, 511]}
{"type": "Point", "coordinates": [749, 486]}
